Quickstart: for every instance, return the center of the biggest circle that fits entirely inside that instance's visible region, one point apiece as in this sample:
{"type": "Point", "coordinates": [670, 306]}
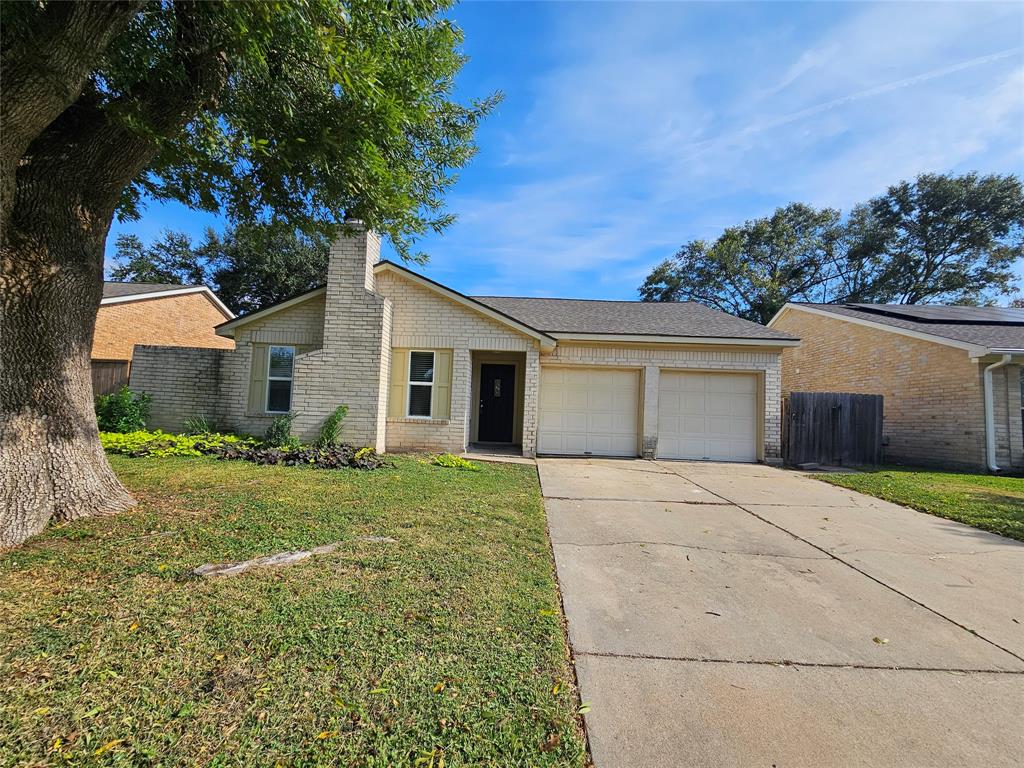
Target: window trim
{"type": "Point", "coordinates": [290, 379]}
{"type": "Point", "coordinates": [409, 384]}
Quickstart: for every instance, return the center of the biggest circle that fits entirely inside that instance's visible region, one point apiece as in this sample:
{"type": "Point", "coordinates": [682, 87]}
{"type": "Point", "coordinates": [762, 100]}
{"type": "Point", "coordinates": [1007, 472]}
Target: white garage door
{"type": "Point", "coordinates": [707, 416]}
{"type": "Point", "coordinates": [588, 411]}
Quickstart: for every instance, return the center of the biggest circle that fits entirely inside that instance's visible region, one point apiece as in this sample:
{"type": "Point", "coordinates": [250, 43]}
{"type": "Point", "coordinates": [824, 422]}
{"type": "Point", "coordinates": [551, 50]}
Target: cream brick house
{"type": "Point", "coordinates": [423, 367]}
{"type": "Point", "coordinates": [950, 376]}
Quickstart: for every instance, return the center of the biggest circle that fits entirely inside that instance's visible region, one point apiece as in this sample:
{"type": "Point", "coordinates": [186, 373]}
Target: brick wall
{"type": "Point", "coordinates": [933, 410]}
{"type": "Point", "coordinates": [184, 382]}
{"type": "Point", "coordinates": [348, 369]}
{"type": "Point", "coordinates": [424, 320]}
{"type": "Point", "coordinates": [652, 358]}
{"type": "Point", "coordinates": [299, 325]}
{"type": "Point", "coordinates": [1007, 403]}
{"type": "Point", "coordinates": [187, 320]}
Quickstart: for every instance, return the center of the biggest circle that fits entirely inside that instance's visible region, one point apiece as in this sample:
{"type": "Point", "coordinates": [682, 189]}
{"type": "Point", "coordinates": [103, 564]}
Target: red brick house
{"type": "Point", "coordinates": [151, 313]}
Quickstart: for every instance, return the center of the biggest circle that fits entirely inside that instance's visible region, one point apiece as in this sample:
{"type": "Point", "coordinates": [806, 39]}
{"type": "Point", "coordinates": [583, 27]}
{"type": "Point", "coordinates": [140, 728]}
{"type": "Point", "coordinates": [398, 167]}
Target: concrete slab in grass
{"type": "Point", "coordinates": [667, 714]}
{"type": "Point", "coordinates": [634, 480]}
{"type": "Point", "coordinates": [674, 601]}
{"type": "Point", "coordinates": [722, 528]}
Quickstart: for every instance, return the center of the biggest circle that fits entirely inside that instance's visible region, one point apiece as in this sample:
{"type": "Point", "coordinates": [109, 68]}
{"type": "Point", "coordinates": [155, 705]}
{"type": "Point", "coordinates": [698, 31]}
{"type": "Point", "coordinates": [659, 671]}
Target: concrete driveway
{"type": "Point", "coordinates": [739, 615]}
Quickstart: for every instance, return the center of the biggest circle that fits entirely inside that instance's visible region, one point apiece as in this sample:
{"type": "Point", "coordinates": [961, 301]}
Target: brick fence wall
{"type": "Point", "coordinates": [184, 382]}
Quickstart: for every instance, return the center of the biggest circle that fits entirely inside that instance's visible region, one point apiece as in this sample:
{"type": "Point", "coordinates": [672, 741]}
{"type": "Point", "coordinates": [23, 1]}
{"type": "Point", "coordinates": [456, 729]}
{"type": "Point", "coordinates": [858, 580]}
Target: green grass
{"type": "Point", "coordinates": [985, 501]}
{"type": "Point", "coordinates": [445, 648]}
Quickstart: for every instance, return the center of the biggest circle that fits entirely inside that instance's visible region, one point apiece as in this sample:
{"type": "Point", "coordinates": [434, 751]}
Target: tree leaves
{"type": "Point", "coordinates": [940, 238]}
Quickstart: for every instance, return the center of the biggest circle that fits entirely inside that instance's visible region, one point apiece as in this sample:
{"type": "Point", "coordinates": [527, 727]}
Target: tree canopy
{"type": "Point", "coordinates": [301, 113]}
{"type": "Point", "coordinates": [940, 238]}
{"type": "Point", "coordinates": [249, 266]}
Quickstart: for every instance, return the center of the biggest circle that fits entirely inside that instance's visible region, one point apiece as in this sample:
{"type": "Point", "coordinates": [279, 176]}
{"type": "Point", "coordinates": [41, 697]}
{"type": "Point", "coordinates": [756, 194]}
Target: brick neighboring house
{"type": "Point", "coordinates": [929, 363]}
{"type": "Point", "coordinates": [151, 313]}
{"type": "Point", "coordinates": [423, 367]}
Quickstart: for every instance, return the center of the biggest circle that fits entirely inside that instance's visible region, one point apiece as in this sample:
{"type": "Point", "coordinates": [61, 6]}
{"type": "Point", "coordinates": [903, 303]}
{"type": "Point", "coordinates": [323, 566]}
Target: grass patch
{"type": "Point", "coordinates": [446, 644]}
{"type": "Point", "coordinates": [988, 502]}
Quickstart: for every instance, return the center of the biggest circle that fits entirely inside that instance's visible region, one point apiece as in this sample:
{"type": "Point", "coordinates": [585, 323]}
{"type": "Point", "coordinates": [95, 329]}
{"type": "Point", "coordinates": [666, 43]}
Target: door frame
{"type": "Point", "coordinates": [497, 358]}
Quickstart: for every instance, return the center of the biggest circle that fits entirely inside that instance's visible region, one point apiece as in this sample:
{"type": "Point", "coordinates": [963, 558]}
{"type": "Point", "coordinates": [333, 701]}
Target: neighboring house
{"type": "Point", "coordinates": [950, 376]}
{"type": "Point", "coordinates": [423, 367]}
{"type": "Point", "coordinates": [151, 313]}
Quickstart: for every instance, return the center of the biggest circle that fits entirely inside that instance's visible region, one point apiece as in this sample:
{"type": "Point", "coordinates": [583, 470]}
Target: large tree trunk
{"type": "Point", "coordinates": [51, 463]}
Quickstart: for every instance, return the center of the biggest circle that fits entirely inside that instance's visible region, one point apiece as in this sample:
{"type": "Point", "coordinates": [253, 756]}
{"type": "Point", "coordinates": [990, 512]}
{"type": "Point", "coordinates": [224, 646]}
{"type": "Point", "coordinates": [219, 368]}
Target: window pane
{"type": "Point", "coordinates": [281, 362]}
{"type": "Point", "coordinates": [421, 367]}
{"type": "Point", "coordinates": [419, 400]}
{"type": "Point", "coordinates": [279, 396]}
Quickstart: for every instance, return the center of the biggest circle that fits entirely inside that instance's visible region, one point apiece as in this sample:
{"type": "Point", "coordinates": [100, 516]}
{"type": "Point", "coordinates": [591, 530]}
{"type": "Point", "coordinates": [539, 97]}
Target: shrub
{"type": "Point", "coordinates": [199, 425]}
{"type": "Point", "coordinates": [141, 443]}
{"type": "Point", "coordinates": [279, 433]}
{"type": "Point", "coordinates": [451, 461]}
{"type": "Point", "coordinates": [330, 432]}
{"type": "Point", "coordinates": [123, 411]}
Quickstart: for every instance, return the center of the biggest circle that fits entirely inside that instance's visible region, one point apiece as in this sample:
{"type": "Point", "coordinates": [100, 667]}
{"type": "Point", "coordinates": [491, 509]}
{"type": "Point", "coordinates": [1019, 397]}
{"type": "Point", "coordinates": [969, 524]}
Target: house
{"type": "Point", "coordinates": [151, 313]}
{"type": "Point", "coordinates": [423, 367]}
{"type": "Point", "coordinates": [950, 376]}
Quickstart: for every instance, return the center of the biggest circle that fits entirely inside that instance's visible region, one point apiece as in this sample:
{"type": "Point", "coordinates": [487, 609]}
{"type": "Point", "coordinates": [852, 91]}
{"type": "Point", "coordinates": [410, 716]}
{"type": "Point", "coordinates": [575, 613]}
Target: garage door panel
{"type": "Point", "coordinates": [589, 411]}
{"type": "Point", "coordinates": [707, 416]}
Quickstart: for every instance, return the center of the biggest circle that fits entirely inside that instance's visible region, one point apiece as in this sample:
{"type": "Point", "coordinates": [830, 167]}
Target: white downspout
{"type": "Point", "coordinates": [990, 418]}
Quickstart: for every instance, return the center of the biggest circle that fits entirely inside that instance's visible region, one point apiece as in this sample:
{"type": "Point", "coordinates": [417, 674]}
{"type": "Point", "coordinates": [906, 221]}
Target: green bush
{"type": "Point", "coordinates": [330, 432]}
{"type": "Point", "coordinates": [123, 411]}
{"type": "Point", "coordinates": [451, 461]}
{"type": "Point", "coordinates": [142, 443]}
{"type": "Point", "coordinates": [279, 433]}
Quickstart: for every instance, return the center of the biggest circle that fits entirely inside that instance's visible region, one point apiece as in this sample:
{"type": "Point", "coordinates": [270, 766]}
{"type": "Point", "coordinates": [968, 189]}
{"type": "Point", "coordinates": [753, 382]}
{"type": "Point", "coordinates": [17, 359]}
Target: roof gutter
{"type": "Point", "coordinates": [990, 419]}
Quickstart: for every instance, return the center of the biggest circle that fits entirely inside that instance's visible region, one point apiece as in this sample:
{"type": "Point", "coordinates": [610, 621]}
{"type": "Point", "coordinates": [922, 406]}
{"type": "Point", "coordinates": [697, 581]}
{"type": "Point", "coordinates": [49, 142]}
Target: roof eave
{"type": "Point", "coordinates": [973, 349]}
{"type": "Point", "coordinates": [641, 338]}
{"type": "Point", "coordinates": [167, 294]}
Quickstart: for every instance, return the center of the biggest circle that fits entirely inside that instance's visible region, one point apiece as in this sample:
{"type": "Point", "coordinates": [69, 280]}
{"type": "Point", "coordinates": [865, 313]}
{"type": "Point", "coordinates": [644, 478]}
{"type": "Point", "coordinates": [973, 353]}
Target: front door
{"type": "Point", "coordinates": [497, 403]}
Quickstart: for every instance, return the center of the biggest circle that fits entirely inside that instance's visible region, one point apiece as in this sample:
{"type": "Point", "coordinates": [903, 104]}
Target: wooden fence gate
{"type": "Point", "coordinates": [109, 376]}
{"type": "Point", "coordinates": [832, 428]}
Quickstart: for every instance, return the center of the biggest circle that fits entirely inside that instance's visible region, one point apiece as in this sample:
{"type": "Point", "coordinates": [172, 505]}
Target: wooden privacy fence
{"type": "Point", "coordinates": [109, 375]}
{"type": "Point", "coordinates": [833, 428]}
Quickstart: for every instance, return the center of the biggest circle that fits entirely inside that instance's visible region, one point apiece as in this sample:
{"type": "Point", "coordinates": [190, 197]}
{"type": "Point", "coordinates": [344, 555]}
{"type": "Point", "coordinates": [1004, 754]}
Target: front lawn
{"type": "Point", "coordinates": [985, 501]}
{"type": "Point", "coordinates": [442, 648]}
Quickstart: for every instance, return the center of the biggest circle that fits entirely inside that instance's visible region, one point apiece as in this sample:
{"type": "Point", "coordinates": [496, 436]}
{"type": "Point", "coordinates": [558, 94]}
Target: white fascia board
{"type": "Point", "coordinates": [227, 329]}
{"type": "Point", "coordinates": [174, 292]}
{"type": "Point", "coordinates": [547, 341]}
{"type": "Point", "coordinates": [974, 350]}
{"type": "Point", "coordinates": [621, 338]}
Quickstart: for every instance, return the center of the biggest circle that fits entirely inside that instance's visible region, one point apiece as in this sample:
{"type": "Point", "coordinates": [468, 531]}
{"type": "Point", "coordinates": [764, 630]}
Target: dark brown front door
{"type": "Point", "coordinates": [497, 403]}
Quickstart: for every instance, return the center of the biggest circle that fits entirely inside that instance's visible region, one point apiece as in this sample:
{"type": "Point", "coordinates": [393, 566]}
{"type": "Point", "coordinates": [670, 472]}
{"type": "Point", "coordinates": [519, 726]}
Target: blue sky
{"type": "Point", "coordinates": [630, 128]}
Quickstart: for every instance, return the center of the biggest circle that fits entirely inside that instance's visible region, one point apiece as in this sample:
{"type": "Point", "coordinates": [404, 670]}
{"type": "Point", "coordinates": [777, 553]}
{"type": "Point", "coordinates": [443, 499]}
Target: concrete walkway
{"type": "Point", "coordinates": [735, 615]}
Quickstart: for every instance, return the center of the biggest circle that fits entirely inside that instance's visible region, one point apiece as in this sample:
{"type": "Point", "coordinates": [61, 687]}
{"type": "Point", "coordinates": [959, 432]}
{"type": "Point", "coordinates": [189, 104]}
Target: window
{"type": "Point", "coordinates": [280, 362]}
{"type": "Point", "coordinates": [421, 384]}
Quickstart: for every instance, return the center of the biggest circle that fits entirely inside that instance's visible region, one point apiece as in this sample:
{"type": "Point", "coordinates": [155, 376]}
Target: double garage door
{"type": "Point", "coordinates": [596, 412]}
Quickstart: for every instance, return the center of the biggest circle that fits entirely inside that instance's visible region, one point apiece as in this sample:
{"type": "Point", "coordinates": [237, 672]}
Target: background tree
{"type": "Point", "coordinates": [943, 238]}
{"type": "Point", "coordinates": [796, 254]}
{"type": "Point", "coordinates": [250, 266]}
{"type": "Point", "coordinates": [303, 111]}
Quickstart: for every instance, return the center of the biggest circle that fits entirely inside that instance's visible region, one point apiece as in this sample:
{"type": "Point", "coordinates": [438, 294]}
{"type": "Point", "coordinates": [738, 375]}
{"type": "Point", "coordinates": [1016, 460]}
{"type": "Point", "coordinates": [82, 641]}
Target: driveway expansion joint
{"type": "Point", "coordinates": [688, 546]}
{"type": "Point", "coordinates": [798, 664]}
{"type": "Point", "coordinates": [721, 503]}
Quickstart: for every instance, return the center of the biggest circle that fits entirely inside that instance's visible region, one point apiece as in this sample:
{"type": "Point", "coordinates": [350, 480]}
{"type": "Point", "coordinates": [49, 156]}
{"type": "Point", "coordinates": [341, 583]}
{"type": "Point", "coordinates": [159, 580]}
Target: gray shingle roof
{"type": "Point", "coordinates": [1001, 333]}
{"type": "Point", "coordinates": [683, 319]}
{"type": "Point", "coordinates": [113, 290]}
